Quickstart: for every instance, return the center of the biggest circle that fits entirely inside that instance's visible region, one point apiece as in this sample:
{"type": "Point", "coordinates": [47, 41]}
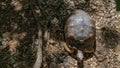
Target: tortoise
{"type": "Point", "coordinates": [80, 33]}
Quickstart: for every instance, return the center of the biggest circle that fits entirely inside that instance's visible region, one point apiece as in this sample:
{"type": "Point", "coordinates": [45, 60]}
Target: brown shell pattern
{"type": "Point", "coordinates": [80, 31]}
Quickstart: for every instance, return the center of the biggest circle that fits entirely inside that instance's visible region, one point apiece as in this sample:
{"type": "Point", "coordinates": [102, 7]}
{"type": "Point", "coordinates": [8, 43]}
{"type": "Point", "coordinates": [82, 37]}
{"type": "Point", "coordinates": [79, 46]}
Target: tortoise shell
{"type": "Point", "coordinates": [80, 31]}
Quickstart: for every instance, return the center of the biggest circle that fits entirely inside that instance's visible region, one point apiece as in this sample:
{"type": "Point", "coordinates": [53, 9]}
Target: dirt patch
{"type": "Point", "coordinates": [19, 22]}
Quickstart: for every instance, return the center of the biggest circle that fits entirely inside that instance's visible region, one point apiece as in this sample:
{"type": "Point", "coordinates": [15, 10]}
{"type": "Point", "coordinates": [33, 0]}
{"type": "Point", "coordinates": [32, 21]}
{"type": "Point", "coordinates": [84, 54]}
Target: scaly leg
{"type": "Point", "coordinates": [68, 49]}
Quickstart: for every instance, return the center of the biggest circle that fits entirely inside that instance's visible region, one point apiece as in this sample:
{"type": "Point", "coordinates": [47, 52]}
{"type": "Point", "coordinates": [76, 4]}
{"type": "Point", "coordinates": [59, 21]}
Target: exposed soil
{"type": "Point", "coordinates": [19, 22]}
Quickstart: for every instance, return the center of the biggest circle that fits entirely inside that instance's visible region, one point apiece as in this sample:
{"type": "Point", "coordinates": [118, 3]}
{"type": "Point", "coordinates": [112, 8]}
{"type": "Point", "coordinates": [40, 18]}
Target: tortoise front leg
{"type": "Point", "coordinates": [68, 49]}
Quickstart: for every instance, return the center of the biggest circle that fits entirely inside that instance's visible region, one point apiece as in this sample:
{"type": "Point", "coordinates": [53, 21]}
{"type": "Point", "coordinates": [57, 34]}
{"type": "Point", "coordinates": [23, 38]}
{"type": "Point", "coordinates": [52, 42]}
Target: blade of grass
{"type": "Point", "coordinates": [117, 5]}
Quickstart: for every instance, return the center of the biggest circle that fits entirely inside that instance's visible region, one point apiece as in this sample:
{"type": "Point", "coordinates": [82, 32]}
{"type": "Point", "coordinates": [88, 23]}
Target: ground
{"type": "Point", "coordinates": [19, 21]}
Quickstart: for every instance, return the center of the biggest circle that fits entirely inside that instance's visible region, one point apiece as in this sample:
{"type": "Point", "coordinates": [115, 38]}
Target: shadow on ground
{"type": "Point", "coordinates": [111, 37]}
